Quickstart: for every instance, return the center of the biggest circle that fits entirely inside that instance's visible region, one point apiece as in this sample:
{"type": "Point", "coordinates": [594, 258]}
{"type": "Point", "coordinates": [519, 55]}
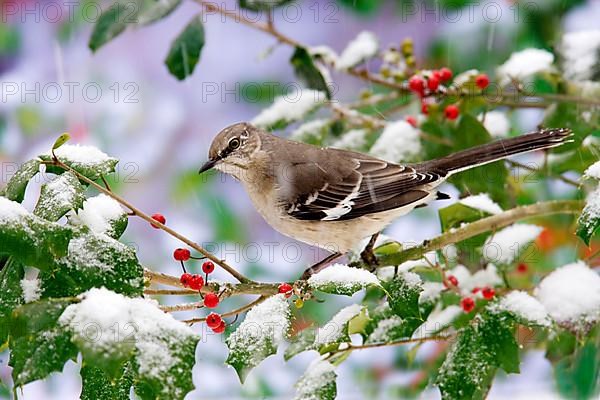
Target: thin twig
{"type": "Point", "coordinates": [232, 312]}
{"type": "Point", "coordinates": [183, 307]}
{"type": "Point", "coordinates": [354, 347]}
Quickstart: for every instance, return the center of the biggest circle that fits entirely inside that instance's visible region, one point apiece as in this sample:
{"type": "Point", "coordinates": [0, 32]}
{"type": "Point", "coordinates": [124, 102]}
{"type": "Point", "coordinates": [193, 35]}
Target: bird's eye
{"type": "Point", "coordinates": [234, 143]}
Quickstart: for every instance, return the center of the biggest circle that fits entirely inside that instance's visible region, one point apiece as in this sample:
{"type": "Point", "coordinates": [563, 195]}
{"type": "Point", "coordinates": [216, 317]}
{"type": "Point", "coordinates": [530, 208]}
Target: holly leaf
{"type": "Point", "coordinates": [481, 348]}
{"type": "Point", "coordinates": [97, 385]}
{"type": "Point", "coordinates": [337, 330]}
{"type": "Point", "coordinates": [185, 50]}
{"type": "Point", "coordinates": [318, 382]}
{"type": "Point", "coordinates": [404, 291]}
{"type": "Point", "coordinates": [306, 70]}
{"type": "Point", "coordinates": [456, 214]}
{"type": "Point", "coordinates": [94, 261]}
{"type": "Point", "coordinates": [342, 279]}
{"type": "Point", "coordinates": [15, 188]}
{"type": "Point", "coordinates": [259, 335]}
{"type": "Point", "coordinates": [262, 5]}
{"type": "Point", "coordinates": [156, 10]}
{"type": "Point", "coordinates": [57, 197]}
{"type": "Point", "coordinates": [301, 342]}
{"type": "Point", "coordinates": [112, 22]}
{"type": "Point", "coordinates": [30, 239]}
{"type": "Point", "coordinates": [87, 160]}
{"type": "Point", "coordinates": [589, 220]}
{"type": "Point", "coordinates": [12, 294]}
{"type": "Point", "coordinates": [38, 344]}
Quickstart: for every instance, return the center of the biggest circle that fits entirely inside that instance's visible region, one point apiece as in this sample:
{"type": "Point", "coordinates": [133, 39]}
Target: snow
{"type": "Point", "coordinates": [571, 295]}
{"type": "Point", "coordinates": [580, 53]}
{"type": "Point", "coordinates": [431, 291]}
{"type": "Point", "coordinates": [382, 331]}
{"type": "Point", "coordinates": [82, 155]}
{"type": "Point", "coordinates": [335, 328]}
{"type": "Point", "coordinates": [318, 375]}
{"type": "Point", "coordinates": [31, 290]}
{"type": "Point", "coordinates": [99, 212]}
{"type": "Point", "coordinates": [355, 139]}
{"type": "Point", "coordinates": [525, 307]}
{"type": "Point", "coordinates": [465, 77]}
{"type": "Point", "coordinates": [325, 53]}
{"type": "Point", "coordinates": [310, 130]}
{"type": "Point", "coordinates": [437, 321]}
{"type": "Point", "coordinates": [141, 324]}
{"type": "Point", "coordinates": [484, 277]}
{"type": "Point", "coordinates": [496, 123]}
{"type": "Point", "coordinates": [11, 211]}
{"type": "Point", "coordinates": [363, 47]}
{"type": "Point", "coordinates": [265, 326]}
{"type": "Point", "coordinates": [525, 63]}
{"type": "Point", "coordinates": [290, 107]}
{"type": "Point", "coordinates": [482, 202]}
{"type": "Point", "coordinates": [90, 250]}
{"type": "Point", "coordinates": [505, 245]}
{"type": "Point", "coordinates": [593, 171]}
{"type": "Point", "coordinates": [344, 276]}
{"type": "Point", "coordinates": [591, 211]}
{"type": "Point", "coordinates": [61, 193]}
{"type": "Point", "coordinates": [399, 141]}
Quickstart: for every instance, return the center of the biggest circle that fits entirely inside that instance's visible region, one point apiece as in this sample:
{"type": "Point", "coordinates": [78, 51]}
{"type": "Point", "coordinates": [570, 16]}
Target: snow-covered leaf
{"type": "Point", "coordinates": [589, 220]}
{"type": "Point", "coordinates": [11, 274]}
{"type": "Point", "coordinates": [259, 335]}
{"type": "Point", "coordinates": [437, 321]}
{"type": "Point", "coordinates": [97, 385]}
{"type": "Point", "coordinates": [102, 215]}
{"type": "Point", "coordinates": [389, 330]}
{"type": "Point", "coordinates": [185, 50]}
{"type": "Point", "coordinates": [15, 188]}
{"type": "Point", "coordinates": [302, 341]}
{"type": "Point", "coordinates": [335, 332]}
{"type": "Point", "coordinates": [399, 141]}
{"type": "Point", "coordinates": [593, 171]}
{"type": "Point", "coordinates": [342, 279]}
{"type": "Point", "coordinates": [58, 196]}
{"type": "Point", "coordinates": [525, 308]}
{"type": "Point", "coordinates": [404, 291]}
{"type": "Point", "coordinates": [486, 344]}
{"type": "Point", "coordinates": [361, 48]}
{"type": "Point", "coordinates": [525, 63]}
{"type": "Point", "coordinates": [318, 382]}
{"type": "Point", "coordinates": [307, 71]}
{"type": "Point", "coordinates": [507, 244]}
{"type": "Point", "coordinates": [38, 344]}
{"type": "Point", "coordinates": [87, 160]}
{"type": "Point", "coordinates": [289, 108]}
{"type": "Point", "coordinates": [30, 239]}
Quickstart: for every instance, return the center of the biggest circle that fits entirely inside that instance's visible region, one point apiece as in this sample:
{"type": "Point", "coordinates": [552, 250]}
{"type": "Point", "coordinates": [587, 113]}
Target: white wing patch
{"type": "Point", "coordinates": [344, 206]}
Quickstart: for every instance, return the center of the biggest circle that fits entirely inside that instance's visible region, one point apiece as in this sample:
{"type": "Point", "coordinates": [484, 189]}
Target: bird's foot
{"type": "Point", "coordinates": [367, 255]}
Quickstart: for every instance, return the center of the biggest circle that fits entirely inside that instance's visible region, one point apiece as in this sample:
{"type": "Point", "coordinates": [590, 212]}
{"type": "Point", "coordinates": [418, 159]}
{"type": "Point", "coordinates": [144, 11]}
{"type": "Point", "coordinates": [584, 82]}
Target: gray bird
{"type": "Point", "coordinates": [334, 198]}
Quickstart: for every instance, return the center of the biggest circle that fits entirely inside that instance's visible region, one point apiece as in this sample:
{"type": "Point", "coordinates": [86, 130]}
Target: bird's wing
{"type": "Point", "coordinates": [366, 185]}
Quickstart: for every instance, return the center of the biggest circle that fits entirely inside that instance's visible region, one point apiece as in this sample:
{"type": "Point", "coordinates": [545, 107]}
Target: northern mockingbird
{"type": "Point", "coordinates": [334, 198]}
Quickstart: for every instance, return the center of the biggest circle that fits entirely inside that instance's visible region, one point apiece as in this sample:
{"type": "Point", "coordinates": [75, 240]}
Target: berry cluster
{"type": "Point", "coordinates": [215, 322]}
{"type": "Point", "coordinates": [468, 303]}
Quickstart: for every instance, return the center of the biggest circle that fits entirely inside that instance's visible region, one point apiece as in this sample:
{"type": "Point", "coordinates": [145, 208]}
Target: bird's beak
{"type": "Point", "coordinates": [208, 165]}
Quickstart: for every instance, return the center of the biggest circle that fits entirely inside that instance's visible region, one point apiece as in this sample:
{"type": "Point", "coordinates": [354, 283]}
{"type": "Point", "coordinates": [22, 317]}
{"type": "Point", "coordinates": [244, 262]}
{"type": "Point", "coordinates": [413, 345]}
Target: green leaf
{"type": "Point", "coordinates": [258, 336]}
{"type": "Point", "coordinates": [57, 197]}
{"type": "Point", "coordinates": [578, 376]}
{"type": "Point", "coordinates": [343, 280]}
{"type": "Point", "coordinates": [97, 385]}
{"type": "Point", "coordinates": [306, 70]}
{"type": "Point", "coordinates": [62, 139]}
{"type": "Point", "coordinates": [490, 178]}
{"type": "Point", "coordinates": [185, 50]}
{"type": "Point", "coordinates": [156, 10]}
{"type": "Point", "coordinates": [94, 261]}
{"type": "Point", "coordinates": [301, 342]}
{"type": "Point", "coordinates": [589, 220]}
{"type": "Point", "coordinates": [11, 294]}
{"type": "Point", "coordinates": [32, 240]}
{"type": "Point", "coordinates": [318, 382]}
{"type": "Point", "coordinates": [86, 160]}
{"type": "Point", "coordinates": [113, 22]}
{"type": "Point", "coordinates": [404, 291]}
{"type": "Point", "coordinates": [15, 188]}
{"type": "Point", "coordinates": [481, 348]}
{"type": "Point", "coordinates": [456, 214]}
{"type": "Point", "coordinates": [38, 344]}
{"type": "Point", "coordinates": [390, 329]}
{"type": "Point", "coordinates": [262, 5]}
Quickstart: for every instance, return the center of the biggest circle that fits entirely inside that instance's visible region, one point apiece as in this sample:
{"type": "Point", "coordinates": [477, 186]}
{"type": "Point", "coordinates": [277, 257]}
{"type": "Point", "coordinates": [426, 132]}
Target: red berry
{"type": "Point", "coordinates": [285, 287]}
{"type": "Point", "coordinates": [196, 282]}
{"type": "Point", "coordinates": [475, 290]}
{"type": "Point", "coordinates": [482, 81]}
{"type": "Point", "coordinates": [208, 267]}
{"type": "Point", "coordinates": [437, 74]}
{"type": "Point", "coordinates": [433, 82]}
{"type": "Point", "coordinates": [220, 328]}
{"type": "Point", "coordinates": [467, 304]}
{"type": "Point", "coordinates": [160, 218]}
{"type": "Point", "coordinates": [451, 112]}
{"type": "Point", "coordinates": [522, 268]}
{"type": "Point", "coordinates": [213, 320]}
{"type": "Point", "coordinates": [211, 300]}
{"type": "Point", "coordinates": [412, 120]}
{"type": "Point", "coordinates": [488, 293]}
{"type": "Point", "coordinates": [416, 84]}
{"type": "Point", "coordinates": [452, 279]}
{"type": "Point", "coordinates": [424, 107]}
{"type": "Point", "coordinates": [181, 254]}
{"type": "Point", "coordinates": [185, 279]}
{"type": "Point", "coordinates": [445, 74]}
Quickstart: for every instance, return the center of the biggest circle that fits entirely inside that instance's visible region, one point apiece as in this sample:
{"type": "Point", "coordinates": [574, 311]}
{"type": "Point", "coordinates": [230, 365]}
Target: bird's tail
{"type": "Point", "coordinates": [499, 150]}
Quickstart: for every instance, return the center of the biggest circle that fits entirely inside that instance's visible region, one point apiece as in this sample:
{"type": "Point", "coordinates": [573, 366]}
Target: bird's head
{"type": "Point", "coordinates": [232, 149]}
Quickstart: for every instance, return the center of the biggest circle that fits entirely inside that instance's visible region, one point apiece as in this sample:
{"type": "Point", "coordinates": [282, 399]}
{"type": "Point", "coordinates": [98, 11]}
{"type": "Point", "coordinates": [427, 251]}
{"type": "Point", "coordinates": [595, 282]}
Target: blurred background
{"type": "Point", "coordinates": [123, 100]}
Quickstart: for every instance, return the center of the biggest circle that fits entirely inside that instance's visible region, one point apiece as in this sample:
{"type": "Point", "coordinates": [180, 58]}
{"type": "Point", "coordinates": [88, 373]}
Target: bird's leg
{"type": "Point", "coordinates": [367, 254]}
{"type": "Point", "coordinates": [320, 265]}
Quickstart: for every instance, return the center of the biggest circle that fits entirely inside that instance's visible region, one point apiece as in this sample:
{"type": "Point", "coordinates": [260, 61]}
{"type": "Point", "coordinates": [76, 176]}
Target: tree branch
{"type": "Point", "coordinates": [231, 313]}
